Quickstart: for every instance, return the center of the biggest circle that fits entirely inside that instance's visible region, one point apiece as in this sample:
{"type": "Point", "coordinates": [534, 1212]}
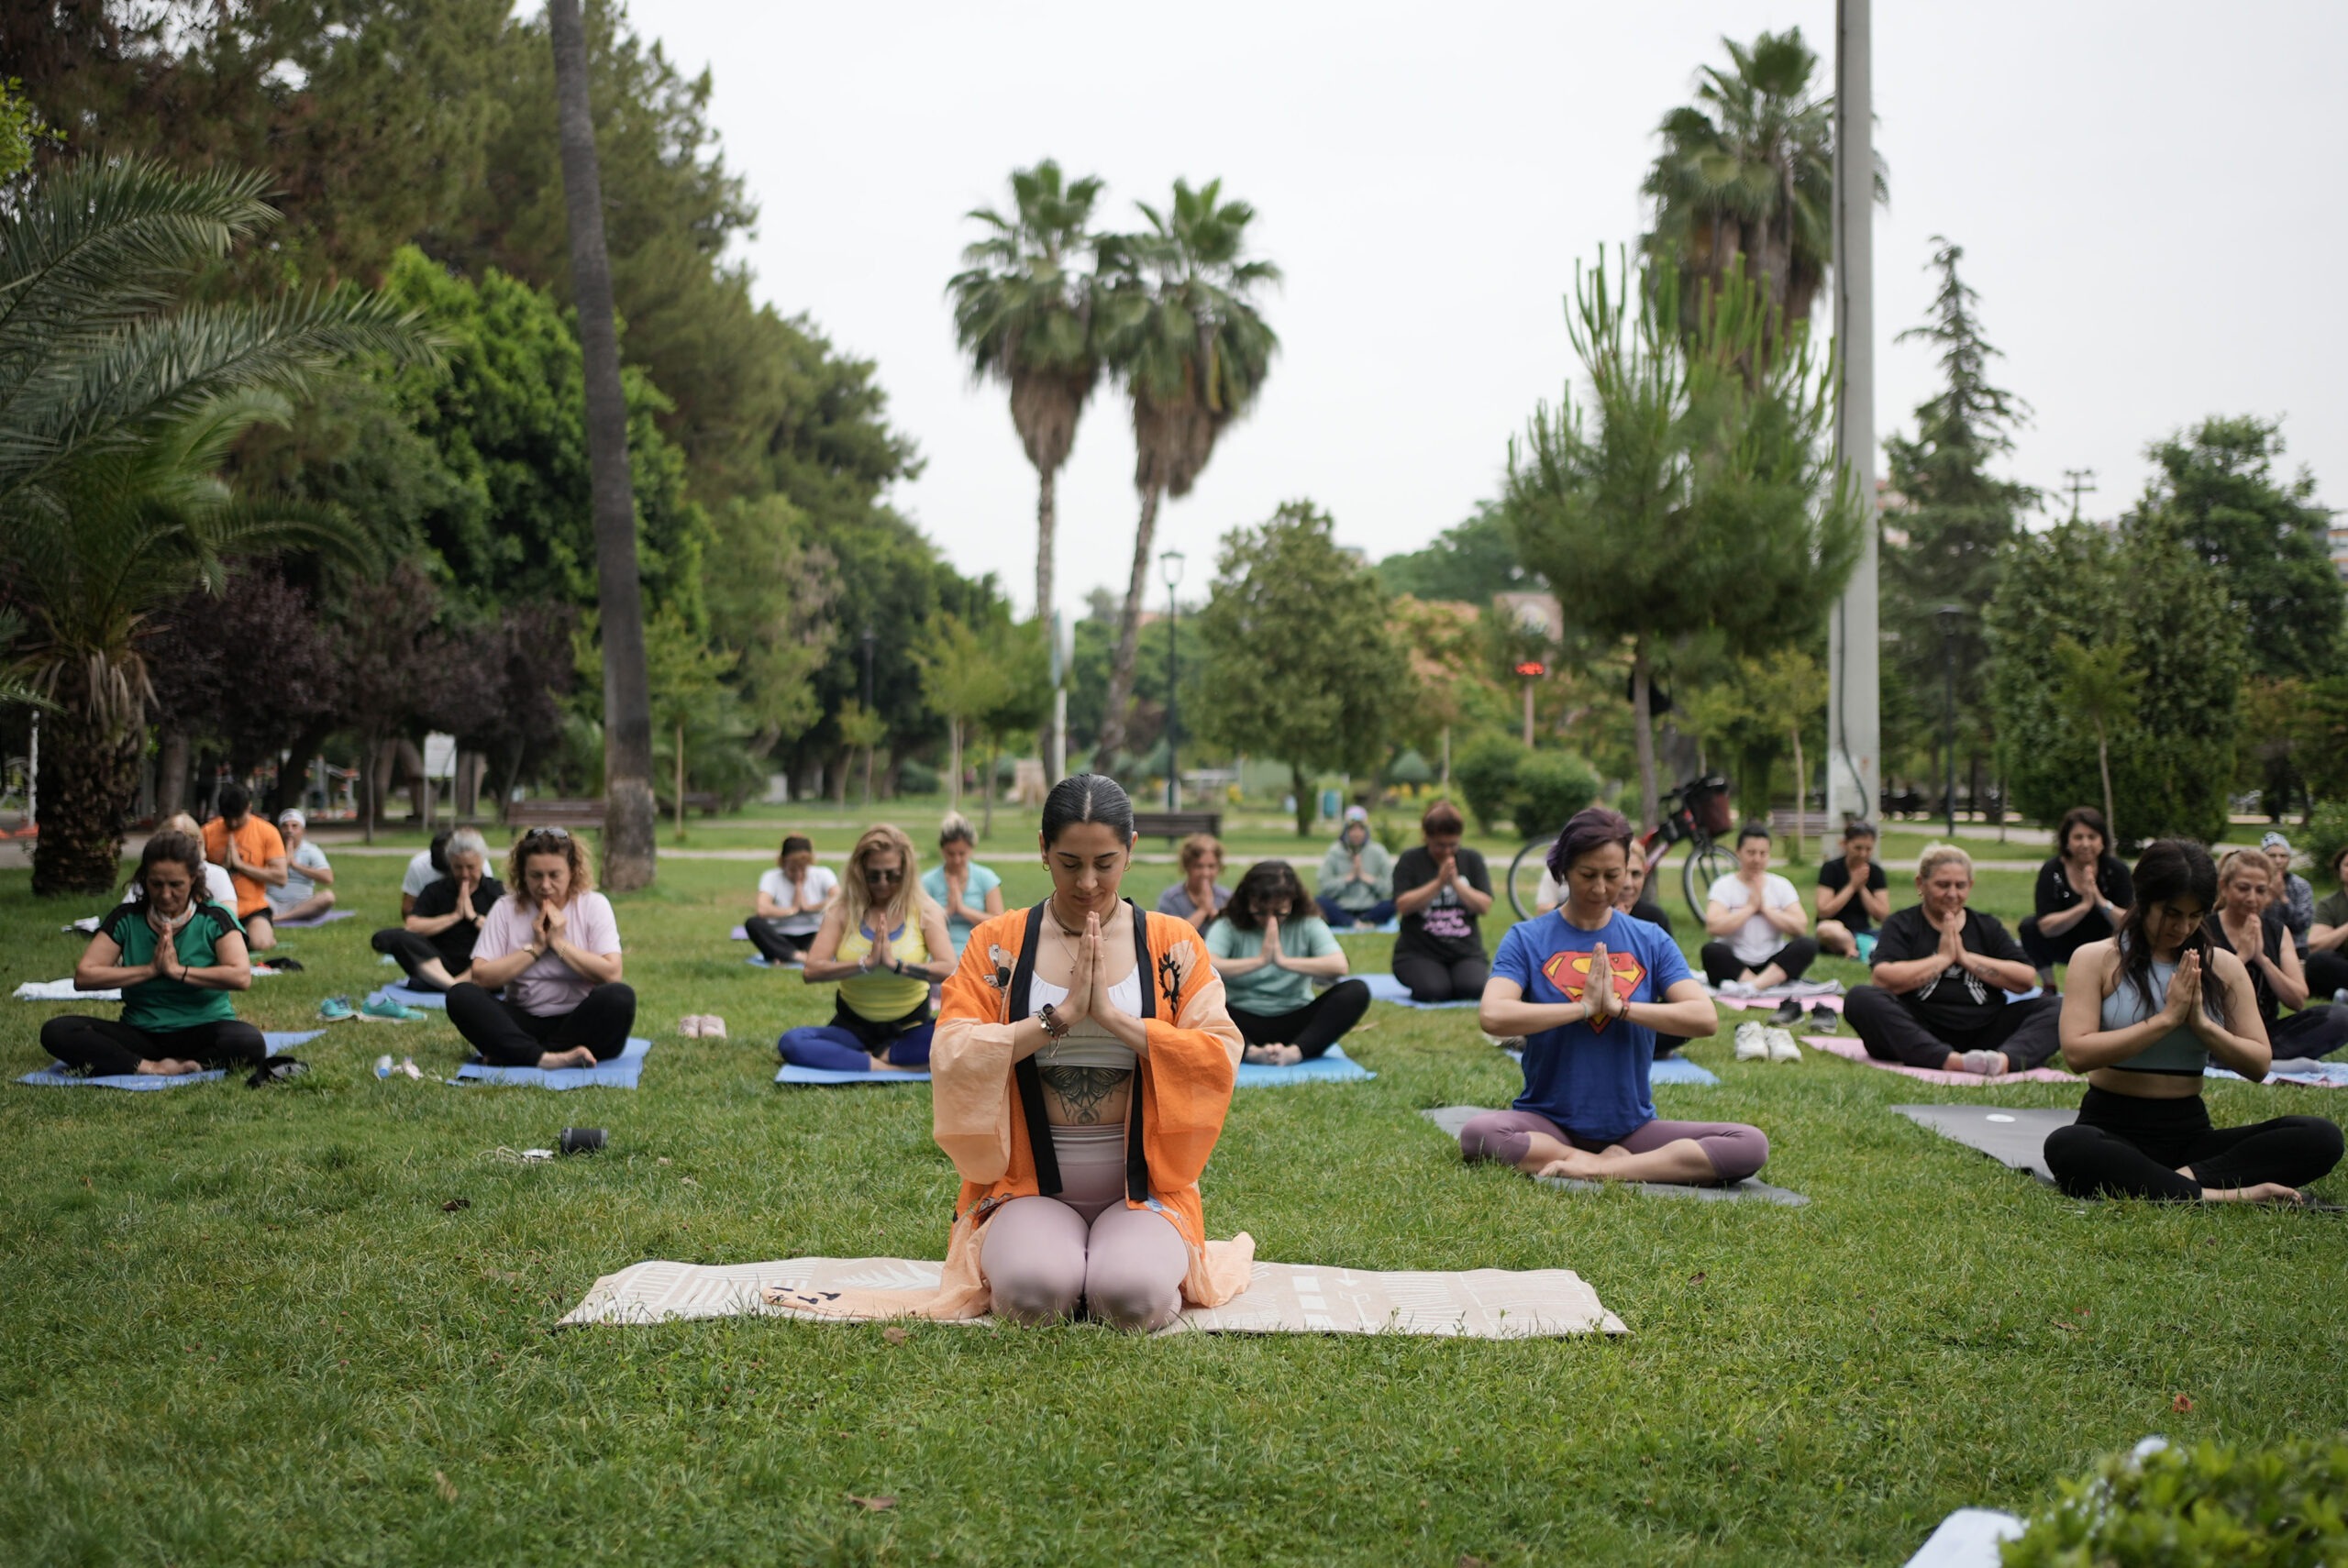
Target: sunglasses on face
{"type": "Point", "coordinates": [875, 874]}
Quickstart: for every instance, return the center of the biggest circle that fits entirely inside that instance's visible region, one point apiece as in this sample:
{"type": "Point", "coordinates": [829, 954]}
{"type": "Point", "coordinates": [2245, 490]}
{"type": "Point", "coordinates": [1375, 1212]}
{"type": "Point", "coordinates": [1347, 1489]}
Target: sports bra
{"type": "Point", "coordinates": [2179, 1050]}
{"type": "Point", "coordinates": [881, 996]}
{"type": "Point", "coordinates": [1086, 1044]}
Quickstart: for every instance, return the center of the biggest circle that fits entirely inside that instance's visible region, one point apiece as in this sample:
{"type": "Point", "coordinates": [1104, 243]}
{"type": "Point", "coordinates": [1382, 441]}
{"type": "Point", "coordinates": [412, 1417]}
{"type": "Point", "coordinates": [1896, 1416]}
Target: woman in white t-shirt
{"type": "Point", "coordinates": [791, 900]}
{"type": "Point", "coordinates": [1760, 932]}
{"type": "Point", "coordinates": [553, 944]}
{"type": "Point", "coordinates": [309, 880]}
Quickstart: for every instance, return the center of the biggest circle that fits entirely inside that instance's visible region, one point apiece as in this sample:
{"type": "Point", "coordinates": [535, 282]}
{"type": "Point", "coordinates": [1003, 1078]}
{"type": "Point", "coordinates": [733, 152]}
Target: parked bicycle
{"type": "Point", "coordinates": [1698, 813]}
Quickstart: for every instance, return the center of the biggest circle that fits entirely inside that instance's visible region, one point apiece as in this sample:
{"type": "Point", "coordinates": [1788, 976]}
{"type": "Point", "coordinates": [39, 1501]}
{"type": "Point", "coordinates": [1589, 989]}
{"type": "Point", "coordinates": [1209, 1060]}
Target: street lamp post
{"type": "Point", "coordinates": [1949, 616]}
{"type": "Point", "coordinates": [1169, 566]}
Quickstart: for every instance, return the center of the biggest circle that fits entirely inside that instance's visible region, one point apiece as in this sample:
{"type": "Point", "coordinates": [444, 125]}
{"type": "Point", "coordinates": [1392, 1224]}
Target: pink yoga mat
{"type": "Point", "coordinates": [1852, 1051]}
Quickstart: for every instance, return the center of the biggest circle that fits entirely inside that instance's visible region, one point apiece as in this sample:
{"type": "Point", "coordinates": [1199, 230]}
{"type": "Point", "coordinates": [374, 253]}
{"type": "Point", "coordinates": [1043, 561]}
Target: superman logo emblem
{"type": "Point", "coordinates": [1569, 972]}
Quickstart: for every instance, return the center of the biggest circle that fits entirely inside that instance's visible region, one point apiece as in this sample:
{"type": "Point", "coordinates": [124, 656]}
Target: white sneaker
{"type": "Point", "coordinates": [1752, 1043]}
{"type": "Point", "coordinates": [1737, 988]}
{"type": "Point", "coordinates": [1781, 1045]}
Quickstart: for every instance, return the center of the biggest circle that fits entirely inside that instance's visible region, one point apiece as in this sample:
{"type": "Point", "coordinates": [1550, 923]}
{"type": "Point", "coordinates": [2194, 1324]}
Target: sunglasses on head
{"type": "Point", "coordinates": [558, 835]}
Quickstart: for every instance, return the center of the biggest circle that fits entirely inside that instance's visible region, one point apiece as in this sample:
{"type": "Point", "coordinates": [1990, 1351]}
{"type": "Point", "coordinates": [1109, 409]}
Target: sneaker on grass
{"type": "Point", "coordinates": [383, 1010]}
{"type": "Point", "coordinates": [334, 1009]}
{"type": "Point", "coordinates": [1752, 1044]}
{"type": "Point", "coordinates": [1781, 1045]}
{"type": "Point", "coordinates": [1788, 1013]}
{"type": "Point", "coordinates": [1824, 1019]}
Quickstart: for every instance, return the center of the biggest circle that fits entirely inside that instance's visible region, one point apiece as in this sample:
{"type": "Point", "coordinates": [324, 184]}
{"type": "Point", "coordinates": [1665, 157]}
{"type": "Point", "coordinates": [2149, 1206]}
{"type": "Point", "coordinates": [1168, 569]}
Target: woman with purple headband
{"type": "Point", "coordinates": [1589, 1043]}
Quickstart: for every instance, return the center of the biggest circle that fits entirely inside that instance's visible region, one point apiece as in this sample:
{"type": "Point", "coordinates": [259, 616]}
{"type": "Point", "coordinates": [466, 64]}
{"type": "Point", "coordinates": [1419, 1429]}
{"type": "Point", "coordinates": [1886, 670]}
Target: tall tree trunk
{"type": "Point", "coordinates": [1121, 665]}
{"type": "Point", "coordinates": [1643, 728]}
{"type": "Point", "coordinates": [1304, 788]}
{"type": "Point", "coordinates": [1802, 792]}
{"type": "Point", "coordinates": [2103, 763]}
{"type": "Point", "coordinates": [88, 777]}
{"type": "Point", "coordinates": [867, 777]}
{"type": "Point", "coordinates": [680, 783]}
{"type": "Point", "coordinates": [371, 791]}
{"type": "Point", "coordinates": [986, 783]}
{"type": "Point", "coordinates": [629, 851]}
{"type": "Point", "coordinates": [171, 774]}
{"type": "Point", "coordinates": [953, 744]}
{"type": "Point", "coordinates": [1046, 537]}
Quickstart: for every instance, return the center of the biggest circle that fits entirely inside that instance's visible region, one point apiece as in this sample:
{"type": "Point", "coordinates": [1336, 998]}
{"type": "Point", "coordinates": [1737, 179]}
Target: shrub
{"type": "Point", "coordinates": [916, 777]}
{"type": "Point", "coordinates": [2326, 836]}
{"type": "Point", "coordinates": [1485, 774]}
{"type": "Point", "coordinates": [2276, 1507]}
{"type": "Point", "coordinates": [1549, 788]}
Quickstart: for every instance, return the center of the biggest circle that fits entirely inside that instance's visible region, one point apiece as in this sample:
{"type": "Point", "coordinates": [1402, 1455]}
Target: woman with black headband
{"type": "Point", "coordinates": [2146, 1012]}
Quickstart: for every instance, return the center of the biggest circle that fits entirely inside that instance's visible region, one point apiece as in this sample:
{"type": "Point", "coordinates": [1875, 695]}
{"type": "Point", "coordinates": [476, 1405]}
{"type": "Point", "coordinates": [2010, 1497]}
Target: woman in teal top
{"type": "Point", "coordinates": [2143, 1014]}
{"type": "Point", "coordinates": [967, 893]}
{"type": "Point", "coordinates": [175, 957]}
{"type": "Point", "coordinates": [1269, 946]}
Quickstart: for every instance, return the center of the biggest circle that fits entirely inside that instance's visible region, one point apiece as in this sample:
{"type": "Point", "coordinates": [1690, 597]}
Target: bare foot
{"type": "Point", "coordinates": [1273, 1055]}
{"type": "Point", "coordinates": [2263, 1192]}
{"type": "Point", "coordinates": [577, 1056]}
{"type": "Point", "coordinates": [882, 1065]}
{"type": "Point", "coordinates": [168, 1067]}
{"type": "Point", "coordinates": [1580, 1165]}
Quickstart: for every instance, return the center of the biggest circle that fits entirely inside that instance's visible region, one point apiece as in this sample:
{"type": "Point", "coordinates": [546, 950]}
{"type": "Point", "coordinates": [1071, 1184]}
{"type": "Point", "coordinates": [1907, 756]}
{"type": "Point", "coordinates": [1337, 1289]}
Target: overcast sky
{"type": "Point", "coordinates": [2131, 181]}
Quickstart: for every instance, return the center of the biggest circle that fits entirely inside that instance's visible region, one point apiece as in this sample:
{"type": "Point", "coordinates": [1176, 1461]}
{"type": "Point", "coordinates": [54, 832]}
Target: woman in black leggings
{"type": "Point", "coordinates": [1270, 944]}
{"type": "Point", "coordinates": [435, 944]}
{"type": "Point", "coordinates": [2145, 1012]}
{"type": "Point", "coordinates": [2250, 926]}
{"type": "Point", "coordinates": [175, 955]}
{"type": "Point", "coordinates": [553, 945]}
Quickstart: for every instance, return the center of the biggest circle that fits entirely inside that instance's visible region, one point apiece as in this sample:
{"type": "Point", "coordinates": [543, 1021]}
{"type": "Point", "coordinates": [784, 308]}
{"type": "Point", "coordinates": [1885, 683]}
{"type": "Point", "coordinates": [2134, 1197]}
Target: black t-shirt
{"type": "Point", "coordinates": [2056, 893]}
{"type": "Point", "coordinates": [455, 945]}
{"type": "Point", "coordinates": [1950, 999]}
{"type": "Point", "coordinates": [1444, 929]}
{"type": "Point", "coordinates": [1836, 873]}
{"type": "Point", "coordinates": [1647, 909]}
{"type": "Point", "coordinates": [2273, 932]}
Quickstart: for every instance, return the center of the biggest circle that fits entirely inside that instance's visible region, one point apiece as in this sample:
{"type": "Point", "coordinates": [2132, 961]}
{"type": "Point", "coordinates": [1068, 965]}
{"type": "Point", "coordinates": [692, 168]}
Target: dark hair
{"type": "Point", "coordinates": [795, 844]}
{"type": "Point", "coordinates": [1269, 880]}
{"type": "Point", "coordinates": [1592, 827]}
{"type": "Point", "coordinates": [1753, 830]}
{"type": "Point", "coordinates": [234, 802]}
{"type": "Point", "coordinates": [1088, 797]}
{"type": "Point", "coordinates": [438, 854]}
{"type": "Point", "coordinates": [2086, 817]}
{"type": "Point", "coordinates": [185, 849]}
{"type": "Point", "coordinates": [2169, 868]}
{"type": "Point", "coordinates": [1857, 829]}
{"type": "Point", "coordinates": [1441, 817]}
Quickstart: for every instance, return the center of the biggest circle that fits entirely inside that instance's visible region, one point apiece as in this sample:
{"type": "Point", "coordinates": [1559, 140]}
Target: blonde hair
{"type": "Point", "coordinates": [181, 823]}
{"type": "Point", "coordinates": [2244, 856]}
{"type": "Point", "coordinates": [1198, 847]}
{"type": "Point", "coordinates": [1935, 855]}
{"type": "Point", "coordinates": [548, 841]}
{"type": "Point", "coordinates": [856, 894]}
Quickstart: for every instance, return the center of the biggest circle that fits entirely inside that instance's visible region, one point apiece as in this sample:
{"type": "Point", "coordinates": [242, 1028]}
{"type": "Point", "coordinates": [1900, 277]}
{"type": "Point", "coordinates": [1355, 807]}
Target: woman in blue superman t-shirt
{"type": "Point", "coordinates": [1585, 1110]}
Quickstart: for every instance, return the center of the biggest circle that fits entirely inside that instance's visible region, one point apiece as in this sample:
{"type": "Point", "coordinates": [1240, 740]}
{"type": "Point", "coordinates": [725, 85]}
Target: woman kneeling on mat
{"type": "Point", "coordinates": [2249, 923]}
{"type": "Point", "coordinates": [884, 941]}
{"type": "Point", "coordinates": [1944, 975]}
{"type": "Point", "coordinates": [435, 944]}
{"type": "Point", "coordinates": [554, 946]}
{"type": "Point", "coordinates": [1083, 1066]}
{"type": "Point", "coordinates": [2145, 1013]}
{"type": "Point", "coordinates": [1586, 1110]}
{"type": "Point", "coordinates": [175, 955]}
{"type": "Point", "coordinates": [1269, 946]}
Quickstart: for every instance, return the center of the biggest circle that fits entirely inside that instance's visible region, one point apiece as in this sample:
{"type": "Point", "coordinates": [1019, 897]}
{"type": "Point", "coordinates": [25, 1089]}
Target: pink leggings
{"type": "Point", "coordinates": [1050, 1259]}
{"type": "Point", "coordinates": [1735, 1150]}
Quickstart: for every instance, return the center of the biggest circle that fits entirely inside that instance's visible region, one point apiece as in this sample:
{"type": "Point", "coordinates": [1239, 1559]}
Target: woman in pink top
{"type": "Point", "coordinates": [554, 946]}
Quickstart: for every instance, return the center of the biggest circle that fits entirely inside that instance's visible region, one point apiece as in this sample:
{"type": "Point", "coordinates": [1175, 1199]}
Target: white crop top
{"type": "Point", "coordinates": [1086, 1044]}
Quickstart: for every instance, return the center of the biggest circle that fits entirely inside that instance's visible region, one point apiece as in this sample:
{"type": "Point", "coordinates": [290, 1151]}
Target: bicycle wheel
{"type": "Point", "coordinates": [1706, 863]}
{"type": "Point", "coordinates": [1525, 874]}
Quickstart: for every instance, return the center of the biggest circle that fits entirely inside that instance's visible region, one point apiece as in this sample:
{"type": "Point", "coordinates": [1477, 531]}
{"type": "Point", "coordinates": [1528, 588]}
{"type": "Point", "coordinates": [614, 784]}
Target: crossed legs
{"type": "Point", "coordinates": [1702, 1152]}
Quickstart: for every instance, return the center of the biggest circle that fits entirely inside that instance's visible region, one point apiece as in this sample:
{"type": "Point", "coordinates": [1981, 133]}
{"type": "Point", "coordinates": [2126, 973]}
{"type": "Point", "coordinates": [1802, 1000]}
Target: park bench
{"type": "Point", "coordinates": [1813, 824]}
{"type": "Point", "coordinates": [1177, 825]}
{"type": "Point", "coordinates": [554, 812]}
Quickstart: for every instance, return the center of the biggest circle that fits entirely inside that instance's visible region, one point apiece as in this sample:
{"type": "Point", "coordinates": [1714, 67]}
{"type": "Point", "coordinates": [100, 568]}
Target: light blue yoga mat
{"type": "Point", "coordinates": [1333, 1068]}
{"type": "Point", "coordinates": [2294, 1069]}
{"type": "Point", "coordinates": [1390, 928]}
{"type": "Point", "coordinates": [1665, 1070]}
{"type": "Point", "coordinates": [327, 919]}
{"type": "Point", "coordinates": [54, 1075]}
{"type": "Point", "coordinates": [408, 996]}
{"type": "Point", "coordinates": [760, 961]}
{"type": "Point", "coordinates": [621, 1072]}
{"type": "Point", "coordinates": [1386, 987]}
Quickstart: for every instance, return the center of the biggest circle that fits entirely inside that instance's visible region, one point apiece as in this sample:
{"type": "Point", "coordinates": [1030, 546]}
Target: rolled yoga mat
{"type": "Point", "coordinates": [1454, 1120]}
{"type": "Point", "coordinates": [55, 1074]}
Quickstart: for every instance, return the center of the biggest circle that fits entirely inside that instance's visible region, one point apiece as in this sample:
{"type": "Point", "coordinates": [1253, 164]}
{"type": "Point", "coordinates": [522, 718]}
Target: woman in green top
{"type": "Point", "coordinates": [1269, 948]}
{"type": "Point", "coordinates": [175, 1014]}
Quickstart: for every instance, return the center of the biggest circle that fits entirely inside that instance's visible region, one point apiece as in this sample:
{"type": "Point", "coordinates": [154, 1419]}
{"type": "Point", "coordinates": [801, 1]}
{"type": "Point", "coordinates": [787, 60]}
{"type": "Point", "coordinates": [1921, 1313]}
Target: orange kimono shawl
{"type": "Point", "coordinates": [1182, 1085]}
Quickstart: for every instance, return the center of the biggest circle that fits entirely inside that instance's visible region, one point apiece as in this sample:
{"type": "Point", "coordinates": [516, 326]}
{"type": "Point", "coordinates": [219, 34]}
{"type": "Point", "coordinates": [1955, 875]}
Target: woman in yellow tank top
{"type": "Point", "coordinates": [876, 941]}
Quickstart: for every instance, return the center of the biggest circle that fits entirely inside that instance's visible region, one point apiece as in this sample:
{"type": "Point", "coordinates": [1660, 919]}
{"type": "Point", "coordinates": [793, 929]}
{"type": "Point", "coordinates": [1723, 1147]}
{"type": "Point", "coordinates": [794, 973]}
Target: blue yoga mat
{"type": "Point", "coordinates": [316, 920]}
{"type": "Point", "coordinates": [621, 1072]}
{"type": "Point", "coordinates": [54, 1075]}
{"type": "Point", "coordinates": [1386, 987]}
{"type": "Point", "coordinates": [437, 1000]}
{"type": "Point", "coordinates": [1390, 928]}
{"type": "Point", "coordinates": [2332, 1075]}
{"type": "Point", "coordinates": [1665, 1070]}
{"type": "Point", "coordinates": [760, 961]}
{"type": "Point", "coordinates": [1333, 1068]}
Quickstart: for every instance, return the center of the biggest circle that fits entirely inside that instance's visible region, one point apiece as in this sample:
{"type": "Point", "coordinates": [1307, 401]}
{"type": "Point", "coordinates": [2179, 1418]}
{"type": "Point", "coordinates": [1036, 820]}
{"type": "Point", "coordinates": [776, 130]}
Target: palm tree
{"type": "Point", "coordinates": [118, 402]}
{"type": "Point", "coordinates": [1749, 170]}
{"type": "Point", "coordinates": [1024, 314]}
{"type": "Point", "coordinates": [629, 810]}
{"type": "Point", "coordinates": [1182, 330]}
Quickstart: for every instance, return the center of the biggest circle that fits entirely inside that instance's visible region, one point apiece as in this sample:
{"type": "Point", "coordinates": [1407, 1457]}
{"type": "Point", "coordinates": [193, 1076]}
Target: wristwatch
{"type": "Point", "coordinates": [1050, 1018]}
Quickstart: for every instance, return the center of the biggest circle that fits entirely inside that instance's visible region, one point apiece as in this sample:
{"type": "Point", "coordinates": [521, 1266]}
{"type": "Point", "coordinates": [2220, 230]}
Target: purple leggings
{"type": "Point", "coordinates": [1735, 1150]}
{"type": "Point", "coordinates": [1084, 1252]}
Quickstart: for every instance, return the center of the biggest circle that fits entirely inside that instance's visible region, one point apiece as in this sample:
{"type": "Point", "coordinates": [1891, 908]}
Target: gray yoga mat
{"type": "Point", "coordinates": [2014, 1137]}
{"type": "Point", "coordinates": [1452, 1119]}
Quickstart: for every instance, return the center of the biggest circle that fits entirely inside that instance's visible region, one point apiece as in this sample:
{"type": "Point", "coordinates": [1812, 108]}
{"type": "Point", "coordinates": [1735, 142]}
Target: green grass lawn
{"type": "Point", "coordinates": [260, 1327]}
